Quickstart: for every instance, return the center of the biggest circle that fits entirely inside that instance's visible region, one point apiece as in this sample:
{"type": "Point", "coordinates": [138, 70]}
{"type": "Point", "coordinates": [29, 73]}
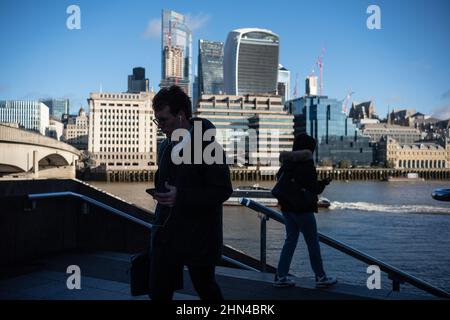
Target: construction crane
{"type": "Point", "coordinates": [319, 63]}
{"type": "Point", "coordinates": [345, 101]}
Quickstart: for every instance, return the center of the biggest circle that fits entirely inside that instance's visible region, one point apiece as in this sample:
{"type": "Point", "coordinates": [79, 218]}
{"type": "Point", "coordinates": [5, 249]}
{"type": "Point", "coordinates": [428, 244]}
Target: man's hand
{"type": "Point", "coordinates": [167, 198]}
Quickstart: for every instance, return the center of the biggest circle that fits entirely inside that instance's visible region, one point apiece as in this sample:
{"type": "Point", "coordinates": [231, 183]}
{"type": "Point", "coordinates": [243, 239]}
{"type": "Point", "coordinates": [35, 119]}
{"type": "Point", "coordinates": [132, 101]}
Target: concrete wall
{"type": "Point", "coordinates": [52, 226]}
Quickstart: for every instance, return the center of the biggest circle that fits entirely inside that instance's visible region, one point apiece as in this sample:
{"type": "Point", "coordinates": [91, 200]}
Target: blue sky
{"type": "Point", "coordinates": [406, 64]}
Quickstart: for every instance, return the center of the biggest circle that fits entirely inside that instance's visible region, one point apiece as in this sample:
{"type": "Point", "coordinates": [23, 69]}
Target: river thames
{"type": "Point", "coordinates": [396, 222]}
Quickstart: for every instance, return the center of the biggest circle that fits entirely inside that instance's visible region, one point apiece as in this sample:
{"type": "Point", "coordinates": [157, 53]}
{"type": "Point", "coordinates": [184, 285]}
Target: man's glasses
{"type": "Point", "coordinates": [159, 122]}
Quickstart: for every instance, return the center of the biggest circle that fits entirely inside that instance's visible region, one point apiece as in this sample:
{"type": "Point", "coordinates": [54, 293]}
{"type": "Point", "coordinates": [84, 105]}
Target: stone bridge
{"type": "Point", "coordinates": [31, 155]}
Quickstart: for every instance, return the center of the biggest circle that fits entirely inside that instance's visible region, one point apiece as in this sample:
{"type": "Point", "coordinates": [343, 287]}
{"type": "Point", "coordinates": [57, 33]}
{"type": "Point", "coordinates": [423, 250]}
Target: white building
{"type": "Point", "coordinates": [122, 135]}
{"type": "Point", "coordinates": [284, 82]}
{"type": "Point", "coordinates": [77, 130]}
{"type": "Point", "coordinates": [30, 115]}
{"type": "Point", "coordinates": [55, 129]}
{"type": "Point", "coordinates": [311, 86]}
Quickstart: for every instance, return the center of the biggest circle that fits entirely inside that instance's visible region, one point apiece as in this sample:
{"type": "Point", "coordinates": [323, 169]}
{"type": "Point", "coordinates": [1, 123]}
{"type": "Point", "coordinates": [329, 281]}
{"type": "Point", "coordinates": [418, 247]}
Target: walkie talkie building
{"type": "Point", "coordinates": [251, 62]}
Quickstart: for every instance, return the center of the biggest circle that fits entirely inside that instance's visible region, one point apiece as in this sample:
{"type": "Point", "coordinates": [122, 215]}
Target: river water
{"type": "Point", "coordinates": [396, 222]}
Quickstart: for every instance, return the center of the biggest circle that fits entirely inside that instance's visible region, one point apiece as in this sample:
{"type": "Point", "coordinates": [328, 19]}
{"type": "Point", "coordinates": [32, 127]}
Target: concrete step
{"type": "Point", "coordinates": [105, 277]}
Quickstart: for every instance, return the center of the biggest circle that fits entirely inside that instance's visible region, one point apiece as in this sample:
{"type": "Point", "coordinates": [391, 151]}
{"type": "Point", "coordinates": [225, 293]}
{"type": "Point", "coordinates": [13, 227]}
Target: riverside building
{"type": "Point", "coordinates": [122, 135]}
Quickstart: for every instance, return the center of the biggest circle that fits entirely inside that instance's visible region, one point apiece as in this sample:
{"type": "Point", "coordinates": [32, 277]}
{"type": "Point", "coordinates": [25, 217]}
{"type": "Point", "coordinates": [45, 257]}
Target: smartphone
{"type": "Point", "coordinates": [151, 191]}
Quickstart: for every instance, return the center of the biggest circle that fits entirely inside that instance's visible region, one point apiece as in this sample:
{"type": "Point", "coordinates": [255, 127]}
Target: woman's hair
{"type": "Point", "coordinates": [303, 141]}
{"type": "Point", "coordinates": [175, 98]}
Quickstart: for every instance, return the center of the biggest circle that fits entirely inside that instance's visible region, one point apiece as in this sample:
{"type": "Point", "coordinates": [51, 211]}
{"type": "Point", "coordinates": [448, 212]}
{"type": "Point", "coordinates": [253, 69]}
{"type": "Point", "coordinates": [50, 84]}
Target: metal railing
{"type": "Point", "coordinates": [86, 199]}
{"type": "Point", "coordinates": [396, 275]}
{"type": "Point", "coordinates": [69, 194]}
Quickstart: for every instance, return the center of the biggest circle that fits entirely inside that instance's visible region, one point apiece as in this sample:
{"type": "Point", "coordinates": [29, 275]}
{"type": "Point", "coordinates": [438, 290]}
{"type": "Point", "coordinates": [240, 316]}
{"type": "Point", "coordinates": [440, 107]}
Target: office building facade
{"type": "Point", "coordinates": [122, 135]}
{"type": "Point", "coordinates": [311, 86]}
{"type": "Point", "coordinates": [402, 134]}
{"type": "Point", "coordinates": [284, 83]}
{"type": "Point", "coordinates": [30, 115]}
{"type": "Point", "coordinates": [137, 82]}
{"type": "Point", "coordinates": [55, 129]}
{"type": "Point", "coordinates": [57, 108]}
{"type": "Point", "coordinates": [76, 132]}
{"type": "Point", "coordinates": [338, 138]}
{"type": "Point", "coordinates": [252, 129]}
{"type": "Point", "coordinates": [250, 65]}
{"type": "Point", "coordinates": [275, 133]}
{"type": "Point", "coordinates": [210, 67]}
{"type": "Point", "coordinates": [176, 51]}
{"type": "Point", "coordinates": [414, 155]}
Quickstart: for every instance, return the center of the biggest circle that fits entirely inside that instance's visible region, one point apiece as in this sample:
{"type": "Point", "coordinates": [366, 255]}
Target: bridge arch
{"type": "Point", "coordinates": [53, 160]}
{"type": "Point", "coordinates": [6, 168]}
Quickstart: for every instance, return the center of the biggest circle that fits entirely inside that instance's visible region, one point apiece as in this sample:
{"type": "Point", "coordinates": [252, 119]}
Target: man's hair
{"type": "Point", "coordinates": [175, 98]}
{"type": "Point", "coordinates": [303, 141]}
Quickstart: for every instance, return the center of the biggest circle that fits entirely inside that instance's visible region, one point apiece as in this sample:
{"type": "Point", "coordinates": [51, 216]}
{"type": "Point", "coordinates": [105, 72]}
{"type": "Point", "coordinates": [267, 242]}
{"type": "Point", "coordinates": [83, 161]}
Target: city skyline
{"type": "Point", "coordinates": [403, 65]}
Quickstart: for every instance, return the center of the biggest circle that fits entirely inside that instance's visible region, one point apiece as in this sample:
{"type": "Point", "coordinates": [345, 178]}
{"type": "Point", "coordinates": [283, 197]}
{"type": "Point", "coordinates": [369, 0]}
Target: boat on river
{"type": "Point", "coordinates": [263, 196]}
{"type": "Point", "coordinates": [410, 177]}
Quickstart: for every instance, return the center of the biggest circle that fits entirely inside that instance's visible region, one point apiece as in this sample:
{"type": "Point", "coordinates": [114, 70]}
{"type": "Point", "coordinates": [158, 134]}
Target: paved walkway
{"type": "Point", "coordinates": [104, 276]}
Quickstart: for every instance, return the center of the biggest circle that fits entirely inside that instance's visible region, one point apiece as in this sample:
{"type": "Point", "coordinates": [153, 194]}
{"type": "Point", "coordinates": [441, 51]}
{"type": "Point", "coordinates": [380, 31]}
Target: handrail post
{"type": "Point", "coordinates": [263, 253]}
{"type": "Point", "coordinates": [396, 285]}
{"type": "Point", "coordinates": [395, 282]}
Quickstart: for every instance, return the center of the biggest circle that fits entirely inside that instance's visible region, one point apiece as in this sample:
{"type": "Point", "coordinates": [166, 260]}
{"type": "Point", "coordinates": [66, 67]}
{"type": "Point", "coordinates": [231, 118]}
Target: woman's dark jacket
{"type": "Point", "coordinates": [192, 234]}
{"type": "Point", "coordinates": [304, 173]}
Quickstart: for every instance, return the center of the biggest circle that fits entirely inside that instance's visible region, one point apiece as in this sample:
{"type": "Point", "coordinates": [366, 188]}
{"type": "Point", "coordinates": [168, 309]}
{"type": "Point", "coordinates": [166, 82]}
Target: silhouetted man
{"type": "Point", "coordinates": [190, 196]}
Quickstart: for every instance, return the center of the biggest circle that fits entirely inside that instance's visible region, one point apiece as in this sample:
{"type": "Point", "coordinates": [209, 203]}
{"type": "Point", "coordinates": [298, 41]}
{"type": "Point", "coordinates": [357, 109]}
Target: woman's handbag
{"type": "Point", "coordinates": [140, 273]}
{"type": "Point", "coordinates": [290, 194]}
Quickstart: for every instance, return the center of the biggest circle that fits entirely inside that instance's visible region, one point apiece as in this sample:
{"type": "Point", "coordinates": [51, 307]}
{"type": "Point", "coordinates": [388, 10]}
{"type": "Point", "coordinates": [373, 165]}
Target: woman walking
{"type": "Point", "coordinates": [298, 165]}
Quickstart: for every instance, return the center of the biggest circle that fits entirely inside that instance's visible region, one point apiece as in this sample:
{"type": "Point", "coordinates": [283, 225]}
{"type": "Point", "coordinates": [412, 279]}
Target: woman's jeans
{"type": "Point", "coordinates": [296, 223]}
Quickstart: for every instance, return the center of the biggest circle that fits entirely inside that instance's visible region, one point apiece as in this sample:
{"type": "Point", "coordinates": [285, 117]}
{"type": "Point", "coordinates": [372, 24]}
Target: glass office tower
{"type": "Point", "coordinates": [210, 67]}
{"type": "Point", "coordinates": [176, 51]}
{"type": "Point", "coordinates": [57, 108]}
{"type": "Point", "coordinates": [336, 135]}
{"type": "Point", "coordinates": [137, 82]}
{"type": "Point", "coordinates": [250, 63]}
